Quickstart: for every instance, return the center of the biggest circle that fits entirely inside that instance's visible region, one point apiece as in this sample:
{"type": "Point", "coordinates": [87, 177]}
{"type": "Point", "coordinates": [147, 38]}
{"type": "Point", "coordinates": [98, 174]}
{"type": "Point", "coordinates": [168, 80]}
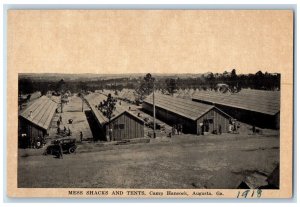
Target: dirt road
{"type": "Point", "coordinates": [72, 110]}
{"type": "Point", "coordinates": [185, 161]}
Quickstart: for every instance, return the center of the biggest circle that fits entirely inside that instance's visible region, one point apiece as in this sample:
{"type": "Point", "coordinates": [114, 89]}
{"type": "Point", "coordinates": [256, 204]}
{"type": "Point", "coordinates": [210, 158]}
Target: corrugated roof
{"type": "Point", "coordinates": [186, 108]}
{"type": "Point", "coordinates": [56, 99]}
{"type": "Point", "coordinates": [94, 100]}
{"type": "Point", "coordinates": [40, 112]}
{"type": "Point", "coordinates": [266, 102]}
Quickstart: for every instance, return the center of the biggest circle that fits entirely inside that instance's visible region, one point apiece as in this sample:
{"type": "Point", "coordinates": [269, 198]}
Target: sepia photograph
{"type": "Point", "coordinates": [150, 103]}
{"type": "Point", "coordinates": [149, 131]}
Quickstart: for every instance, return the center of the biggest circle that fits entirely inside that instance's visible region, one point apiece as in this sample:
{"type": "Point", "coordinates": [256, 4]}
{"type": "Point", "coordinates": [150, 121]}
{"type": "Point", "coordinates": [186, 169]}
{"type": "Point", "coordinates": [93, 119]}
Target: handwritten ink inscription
{"type": "Point", "coordinates": [250, 193]}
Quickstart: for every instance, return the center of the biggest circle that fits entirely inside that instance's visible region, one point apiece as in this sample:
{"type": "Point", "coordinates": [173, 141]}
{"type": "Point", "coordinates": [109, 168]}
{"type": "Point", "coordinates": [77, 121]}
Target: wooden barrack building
{"type": "Point", "coordinates": [123, 125]}
{"type": "Point", "coordinates": [35, 120]}
{"type": "Point", "coordinates": [196, 118]}
{"type": "Point", "coordinates": [254, 107]}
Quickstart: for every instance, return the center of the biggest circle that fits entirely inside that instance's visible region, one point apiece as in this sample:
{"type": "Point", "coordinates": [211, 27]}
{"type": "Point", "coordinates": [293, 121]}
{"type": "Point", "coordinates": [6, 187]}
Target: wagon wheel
{"type": "Point", "coordinates": [72, 150]}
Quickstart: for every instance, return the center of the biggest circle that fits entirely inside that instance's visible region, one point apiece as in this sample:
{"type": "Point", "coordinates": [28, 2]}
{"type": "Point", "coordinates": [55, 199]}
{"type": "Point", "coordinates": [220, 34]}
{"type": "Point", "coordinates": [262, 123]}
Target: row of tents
{"type": "Point", "coordinates": [128, 95]}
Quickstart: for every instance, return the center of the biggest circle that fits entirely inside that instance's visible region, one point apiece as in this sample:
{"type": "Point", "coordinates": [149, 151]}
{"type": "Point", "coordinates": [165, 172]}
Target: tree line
{"type": "Point", "coordinates": [144, 85]}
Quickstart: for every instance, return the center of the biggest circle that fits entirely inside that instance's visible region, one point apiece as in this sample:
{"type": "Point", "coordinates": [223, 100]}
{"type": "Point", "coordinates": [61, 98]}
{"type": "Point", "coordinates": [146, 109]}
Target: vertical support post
{"type": "Point", "coordinates": [154, 113]}
{"type": "Point", "coordinates": [61, 103]}
{"type": "Point", "coordinates": [82, 104]}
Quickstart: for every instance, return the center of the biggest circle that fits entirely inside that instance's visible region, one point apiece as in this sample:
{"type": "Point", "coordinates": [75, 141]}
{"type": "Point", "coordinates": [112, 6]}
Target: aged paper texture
{"type": "Point", "coordinates": [118, 45]}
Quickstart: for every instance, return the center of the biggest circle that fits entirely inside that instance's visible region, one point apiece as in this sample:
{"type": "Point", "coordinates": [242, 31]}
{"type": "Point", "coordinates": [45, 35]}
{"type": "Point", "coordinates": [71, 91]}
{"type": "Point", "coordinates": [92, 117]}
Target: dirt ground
{"type": "Point", "coordinates": [72, 110]}
{"type": "Point", "coordinates": [184, 161]}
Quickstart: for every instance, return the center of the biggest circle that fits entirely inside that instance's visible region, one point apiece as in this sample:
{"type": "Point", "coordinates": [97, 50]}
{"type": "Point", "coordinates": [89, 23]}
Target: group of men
{"type": "Point", "coordinates": [37, 143]}
{"type": "Point", "coordinates": [234, 126]}
{"type": "Point", "coordinates": [177, 129]}
{"type": "Point", "coordinates": [65, 130]}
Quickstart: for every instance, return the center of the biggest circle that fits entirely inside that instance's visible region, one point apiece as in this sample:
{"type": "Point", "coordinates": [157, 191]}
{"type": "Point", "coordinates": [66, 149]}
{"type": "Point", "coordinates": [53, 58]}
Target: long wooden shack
{"type": "Point", "coordinates": [123, 124]}
{"type": "Point", "coordinates": [255, 107]}
{"type": "Point", "coordinates": [35, 120]}
{"type": "Point", "coordinates": [196, 118]}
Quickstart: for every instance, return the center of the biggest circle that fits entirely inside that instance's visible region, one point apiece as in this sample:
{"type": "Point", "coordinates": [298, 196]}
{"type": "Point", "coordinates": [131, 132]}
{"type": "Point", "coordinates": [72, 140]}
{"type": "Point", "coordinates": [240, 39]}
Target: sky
{"type": "Point", "coordinates": [155, 41]}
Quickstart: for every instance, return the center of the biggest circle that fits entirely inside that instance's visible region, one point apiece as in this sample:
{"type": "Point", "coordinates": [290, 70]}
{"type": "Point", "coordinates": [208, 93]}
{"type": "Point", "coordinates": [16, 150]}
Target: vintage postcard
{"type": "Point", "coordinates": [150, 103]}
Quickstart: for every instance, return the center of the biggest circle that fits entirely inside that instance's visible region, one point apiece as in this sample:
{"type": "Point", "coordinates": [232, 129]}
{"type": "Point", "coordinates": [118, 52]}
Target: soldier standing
{"type": "Point", "coordinates": [110, 132]}
{"type": "Point", "coordinates": [220, 129]}
{"type": "Point", "coordinates": [81, 136]}
{"type": "Point", "coordinates": [173, 130]}
{"type": "Point", "coordinates": [69, 131]}
{"type": "Point", "coordinates": [253, 129]}
{"type": "Point", "coordinates": [60, 150]}
{"type": "Point", "coordinates": [180, 128]}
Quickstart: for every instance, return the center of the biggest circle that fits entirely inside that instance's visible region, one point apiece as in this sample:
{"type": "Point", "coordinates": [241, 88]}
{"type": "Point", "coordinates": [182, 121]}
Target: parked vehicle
{"type": "Point", "coordinates": [68, 145]}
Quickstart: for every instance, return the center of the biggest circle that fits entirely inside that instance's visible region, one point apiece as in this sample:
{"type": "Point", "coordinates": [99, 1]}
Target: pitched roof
{"type": "Point", "coordinates": [40, 112]}
{"type": "Point", "coordinates": [94, 99]}
{"type": "Point", "coordinates": [266, 102]}
{"type": "Point", "coordinates": [186, 108]}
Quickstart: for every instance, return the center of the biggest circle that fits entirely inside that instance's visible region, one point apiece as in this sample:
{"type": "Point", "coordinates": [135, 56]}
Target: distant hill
{"type": "Point", "coordinates": [94, 77]}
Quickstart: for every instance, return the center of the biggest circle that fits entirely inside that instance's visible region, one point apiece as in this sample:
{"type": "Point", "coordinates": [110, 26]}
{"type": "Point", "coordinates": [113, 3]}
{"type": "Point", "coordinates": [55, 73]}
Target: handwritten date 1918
{"type": "Point", "coordinates": [250, 193]}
